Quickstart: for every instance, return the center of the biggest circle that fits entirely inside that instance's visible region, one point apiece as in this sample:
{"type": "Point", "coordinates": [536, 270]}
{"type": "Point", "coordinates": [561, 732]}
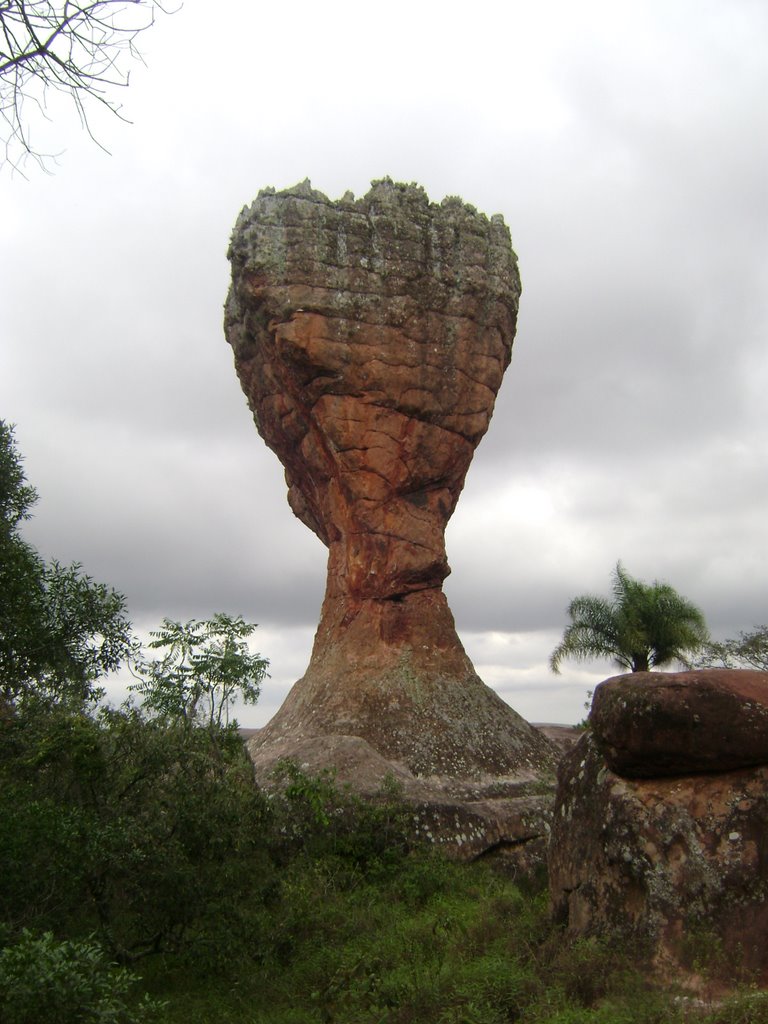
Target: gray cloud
{"type": "Point", "coordinates": [627, 147]}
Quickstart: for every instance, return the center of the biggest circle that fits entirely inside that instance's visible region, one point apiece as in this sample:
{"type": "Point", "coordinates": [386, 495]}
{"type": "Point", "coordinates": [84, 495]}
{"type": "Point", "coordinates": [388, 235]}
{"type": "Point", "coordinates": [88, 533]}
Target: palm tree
{"type": "Point", "coordinates": [643, 627]}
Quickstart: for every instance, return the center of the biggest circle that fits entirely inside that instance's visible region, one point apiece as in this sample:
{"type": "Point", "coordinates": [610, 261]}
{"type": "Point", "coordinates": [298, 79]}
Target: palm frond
{"type": "Point", "coordinates": [645, 626]}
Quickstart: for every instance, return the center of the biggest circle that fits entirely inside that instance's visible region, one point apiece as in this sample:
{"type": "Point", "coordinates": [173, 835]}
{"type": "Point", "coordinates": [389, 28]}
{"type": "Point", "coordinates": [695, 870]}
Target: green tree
{"type": "Point", "coordinates": [747, 650]}
{"type": "Point", "coordinates": [59, 630]}
{"type": "Point", "coordinates": [645, 626]}
{"type": "Point", "coordinates": [206, 666]}
{"type": "Point", "coordinates": [147, 834]}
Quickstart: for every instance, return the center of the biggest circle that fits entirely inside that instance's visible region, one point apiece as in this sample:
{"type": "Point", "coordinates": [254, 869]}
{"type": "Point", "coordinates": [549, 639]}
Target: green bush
{"type": "Point", "coordinates": [144, 833]}
{"type": "Point", "coordinates": [42, 980]}
{"type": "Point", "coordinates": [317, 819]}
{"type": "Point", "coordinates": [749, 1007]}
{"type": "Point", "coordinates": [495, 986]}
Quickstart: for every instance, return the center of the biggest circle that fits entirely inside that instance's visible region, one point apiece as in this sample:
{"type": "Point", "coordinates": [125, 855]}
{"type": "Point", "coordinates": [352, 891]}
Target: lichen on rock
{"type": "Point", "coordinates": [656, 858]}
{"type": "Point", "coordinates": [674, 723]}
{"type": "Point", "coordinates": [370, 337]}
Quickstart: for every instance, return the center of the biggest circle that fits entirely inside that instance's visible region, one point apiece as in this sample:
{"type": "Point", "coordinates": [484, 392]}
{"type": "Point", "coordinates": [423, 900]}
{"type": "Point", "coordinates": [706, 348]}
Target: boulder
{"type": "Point", "coordinates": [651, 724]}
{"type": "Point", "coordinates": [674, 862]}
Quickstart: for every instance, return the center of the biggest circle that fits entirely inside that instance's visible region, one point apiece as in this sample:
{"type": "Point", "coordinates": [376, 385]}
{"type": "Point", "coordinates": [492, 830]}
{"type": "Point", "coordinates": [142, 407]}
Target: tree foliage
{"type": "Point", "coordinates": [70, 982]}
{"type": "Point", "coordinates": [144, 833]}
{"type": "Point", "coordinates": [80, 49]}
{"type": "Point", "coordinates": [59, 630]}
{"type": "Point", "coordinates": [206, 667]}
{"type": "Point", "coordinates": [643, 627]}
{"type": "Point", "coordinates": [16, 496]}
{"type": "Point", "coordinates": [747, 650]}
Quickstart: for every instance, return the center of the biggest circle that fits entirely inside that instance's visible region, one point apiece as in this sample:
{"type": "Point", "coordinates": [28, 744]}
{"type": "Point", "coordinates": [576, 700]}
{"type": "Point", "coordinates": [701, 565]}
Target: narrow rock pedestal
{"type": "Point", "coordinates": [370, 337]}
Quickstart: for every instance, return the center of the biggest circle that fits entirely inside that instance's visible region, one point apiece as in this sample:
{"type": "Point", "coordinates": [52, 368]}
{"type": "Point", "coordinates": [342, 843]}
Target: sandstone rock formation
{"type": "Point", "coordinates": [504, 817]}
{"type": "Point", "coordinates": [674, 723]}
{"type": "Point", "coordinates": [661, 861]}
{"type": "Point", "coordinates": [370, 337]}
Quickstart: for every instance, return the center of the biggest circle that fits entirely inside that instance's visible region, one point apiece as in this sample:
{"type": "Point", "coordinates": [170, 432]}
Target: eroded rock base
{"type": "Point", "coordinates": [390, 691]}
{"type": "Point", "coordinates": [663, 863]}
{"type": "Point", "coordinates": [396, 674]}
{"type": "Point", "coordinates": [504, 817]}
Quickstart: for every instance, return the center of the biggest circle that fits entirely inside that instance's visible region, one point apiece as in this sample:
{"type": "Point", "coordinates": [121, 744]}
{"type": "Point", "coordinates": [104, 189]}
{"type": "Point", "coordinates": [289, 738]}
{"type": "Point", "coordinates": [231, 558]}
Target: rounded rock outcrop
{"type": "Point", "coordinates": [657, 841]}
{"type": "Point", "coordinates": [675, 723]}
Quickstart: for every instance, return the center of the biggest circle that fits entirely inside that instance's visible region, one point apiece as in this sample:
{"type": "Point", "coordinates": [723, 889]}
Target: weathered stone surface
{"type": "Point", "coordinates": [370, 337]}
{"type": "Point", "coordinates": [563, 736]}
{"type": "Point", "coordinates": [507, 818]}
{"type": "Point", "coordinates": [397, 675]}
{"type": "Point", "coordinates": [658, 862]}
{"type": "Point", "coordinates": [649, 724]}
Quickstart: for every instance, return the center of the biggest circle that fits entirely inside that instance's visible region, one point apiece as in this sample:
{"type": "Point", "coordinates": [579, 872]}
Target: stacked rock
{"type": "Point", "coordinates": [661, 819]}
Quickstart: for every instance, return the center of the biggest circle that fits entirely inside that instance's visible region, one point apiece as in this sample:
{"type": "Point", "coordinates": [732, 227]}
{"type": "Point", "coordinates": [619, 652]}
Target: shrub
{"type": "Point", "coordinates": [315, 819]}
{"type": "Point", "coordinates": [749, 1007]}
{"type": "Point", "coordinates": [66, 983]}
{"type": "Point", "coordinates": [153, 835]}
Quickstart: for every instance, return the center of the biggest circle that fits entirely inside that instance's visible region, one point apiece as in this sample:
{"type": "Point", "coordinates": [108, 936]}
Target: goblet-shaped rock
{"type": "Point", "coordinates": [370, 337]}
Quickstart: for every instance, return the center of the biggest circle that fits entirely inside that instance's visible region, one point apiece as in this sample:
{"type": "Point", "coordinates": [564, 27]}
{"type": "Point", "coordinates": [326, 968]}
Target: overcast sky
{"type": "Point", "coordinates": [626, 145]}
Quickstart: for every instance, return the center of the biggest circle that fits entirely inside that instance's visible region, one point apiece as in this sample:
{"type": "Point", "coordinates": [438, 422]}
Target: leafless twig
{"type": "Point", "coordinates": [79, 49]}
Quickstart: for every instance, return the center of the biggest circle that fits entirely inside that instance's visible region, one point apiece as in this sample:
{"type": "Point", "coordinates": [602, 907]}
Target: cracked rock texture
{"type": "Point", "coordinates": [674, 723]}
{"type": "Point", "coordinates": [370, 337]}
{"type": "Point", "coordinates": [669, 862]}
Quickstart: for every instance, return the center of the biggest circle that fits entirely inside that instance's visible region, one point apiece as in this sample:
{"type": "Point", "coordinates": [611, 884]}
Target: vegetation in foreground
{"type": "Point", "coordinates": [305, 908]}
{"type": "Point", "coordinates": [146, 878]}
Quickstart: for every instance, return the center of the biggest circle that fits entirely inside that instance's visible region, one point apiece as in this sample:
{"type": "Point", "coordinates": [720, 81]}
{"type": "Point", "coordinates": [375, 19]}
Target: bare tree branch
{"type": "Point", "coordinates": [78, 49]}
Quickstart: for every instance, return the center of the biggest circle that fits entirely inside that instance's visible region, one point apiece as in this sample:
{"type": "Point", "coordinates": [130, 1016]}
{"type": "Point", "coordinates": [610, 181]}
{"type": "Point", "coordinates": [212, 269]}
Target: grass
{"type": "Point", "coordinates": [428, 942]}
{"type": "Point", "coordinates": [317, 908]}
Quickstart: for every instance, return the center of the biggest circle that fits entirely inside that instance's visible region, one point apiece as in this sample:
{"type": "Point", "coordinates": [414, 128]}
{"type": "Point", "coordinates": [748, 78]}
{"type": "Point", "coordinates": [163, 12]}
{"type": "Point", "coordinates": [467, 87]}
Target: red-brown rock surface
{"type": "Point", "coordinates": [370, 337]}
{"type": "Point", "coordinates": [669, 862]}
{"type": "Point", "coordinates": [674, 723]}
